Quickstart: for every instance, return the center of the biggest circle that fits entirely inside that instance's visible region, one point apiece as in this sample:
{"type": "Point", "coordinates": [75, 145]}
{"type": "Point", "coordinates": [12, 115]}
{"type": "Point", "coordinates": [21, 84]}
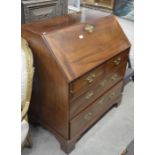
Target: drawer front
{"type": "Point", "coordinates": [87, 117]}
{"type": "Point", "coordinates": [113, 78]}
{"type": "Point", "coordinates": [85, 82]}
{"type": "Point", "coordinates": [94, 92]}
{"type": "Point", "coordinates": [114, 63]}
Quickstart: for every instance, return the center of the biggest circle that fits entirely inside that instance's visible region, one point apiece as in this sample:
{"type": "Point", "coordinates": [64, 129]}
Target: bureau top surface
{"type": "Point", "coordinates": [77, 50]}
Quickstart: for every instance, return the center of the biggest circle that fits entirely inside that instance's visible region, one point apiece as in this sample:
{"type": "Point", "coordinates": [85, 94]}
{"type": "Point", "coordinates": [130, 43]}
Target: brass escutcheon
{"type": "Point", "coordinates": [101, 101]}
{"type": "Point", "coordinates": [89, 27]}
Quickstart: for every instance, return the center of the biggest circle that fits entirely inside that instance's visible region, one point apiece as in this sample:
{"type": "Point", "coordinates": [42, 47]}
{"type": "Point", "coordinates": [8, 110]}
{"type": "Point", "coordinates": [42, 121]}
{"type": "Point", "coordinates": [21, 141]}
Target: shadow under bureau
{"type": "Point", "coordinates": [79, 70]}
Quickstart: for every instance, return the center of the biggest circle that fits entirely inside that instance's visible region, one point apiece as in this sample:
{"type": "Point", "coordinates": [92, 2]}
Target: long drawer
{"type": "Point", "coordinates": [94, 92]}
{"type": "Point", "coordinates": [87, 117]}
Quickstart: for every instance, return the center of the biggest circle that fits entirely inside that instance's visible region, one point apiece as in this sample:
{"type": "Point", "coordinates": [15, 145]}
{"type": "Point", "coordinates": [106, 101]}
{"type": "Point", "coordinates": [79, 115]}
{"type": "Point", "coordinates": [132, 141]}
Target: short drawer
{"type": "Point", "coordinates": [90, 115]}
{"type": "Point", "coordinates": [114, 63]}
{"type": "Point", "coordinates": [113, 78]}
{"type": "Point", "coordinates": [78, 86]}
{"type": "Point", "coordinates": [95, 91]}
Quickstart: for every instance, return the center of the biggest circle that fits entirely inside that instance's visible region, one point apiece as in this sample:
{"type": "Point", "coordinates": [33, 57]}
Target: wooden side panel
{"type": "Point", "coordinates": [49, 104]}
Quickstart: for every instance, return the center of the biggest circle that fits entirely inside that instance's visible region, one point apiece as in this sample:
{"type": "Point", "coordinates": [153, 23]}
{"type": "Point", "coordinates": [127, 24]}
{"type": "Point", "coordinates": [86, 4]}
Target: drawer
{"type": "Point", "coordinates": [78, 86]}
{"type": "Point", "coordinates": [90, 115]}
{"type": "Point", "coordinates": [95, 91]}
{"type": "Point", "coordinates": [114, 63]}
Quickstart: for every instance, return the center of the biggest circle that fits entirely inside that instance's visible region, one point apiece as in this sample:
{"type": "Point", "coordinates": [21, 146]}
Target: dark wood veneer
{"type": "Point", "coordinates": [68, 68]}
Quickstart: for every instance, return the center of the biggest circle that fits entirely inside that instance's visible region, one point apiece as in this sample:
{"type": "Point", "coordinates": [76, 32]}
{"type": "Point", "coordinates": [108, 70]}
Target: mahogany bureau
{"type": "Point", "coordinates": [79, 70]}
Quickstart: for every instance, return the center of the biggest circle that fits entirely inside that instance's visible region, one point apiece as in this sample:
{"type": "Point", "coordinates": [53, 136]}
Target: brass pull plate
{"type": "Point", "coordinates": [88, 116]}
{"type": "Point", "coordinates": [117, 61]}
{"type": "Point", "coordinates": [90, 78]}
{"type": "Point", "coordinates": [89, 27]}
{"type": "Point", "coordinates": [89, 95]}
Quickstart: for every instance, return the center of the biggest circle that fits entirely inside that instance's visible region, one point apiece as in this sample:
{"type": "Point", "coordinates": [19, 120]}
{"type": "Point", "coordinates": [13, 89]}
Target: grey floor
{"type": "Point", "coordinates": [108, 137]}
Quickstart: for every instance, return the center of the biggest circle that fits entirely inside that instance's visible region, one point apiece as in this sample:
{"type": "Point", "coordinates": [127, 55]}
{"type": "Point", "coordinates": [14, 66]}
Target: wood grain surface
{"type": "Point", "coordinates": [75, 69]}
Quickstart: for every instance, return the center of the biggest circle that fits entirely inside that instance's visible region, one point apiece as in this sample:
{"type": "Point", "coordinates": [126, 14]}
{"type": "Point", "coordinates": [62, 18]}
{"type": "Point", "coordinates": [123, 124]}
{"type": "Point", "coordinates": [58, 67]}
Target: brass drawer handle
{"type": "Point", "coordinates": [90, 78]}
{"type": "Point", "coordinates": [112, 95]}
{"type": "Point", "coordinates": [114, 77]}
{"type": "Point", "coordinates": [102, 83]}
{"type": "Point", "coordinates": [88, 116]}
{"type": "Point", "coordinates": [89, 95]}
{"type": "Point", "coordinates": [100, 102]}
{"type": "Point", "coordinates": [117, 61]}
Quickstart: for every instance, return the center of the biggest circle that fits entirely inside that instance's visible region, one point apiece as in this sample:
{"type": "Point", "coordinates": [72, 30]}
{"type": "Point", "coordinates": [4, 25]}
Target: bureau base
{"type": "Point", "coordinates": [69, 145]}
